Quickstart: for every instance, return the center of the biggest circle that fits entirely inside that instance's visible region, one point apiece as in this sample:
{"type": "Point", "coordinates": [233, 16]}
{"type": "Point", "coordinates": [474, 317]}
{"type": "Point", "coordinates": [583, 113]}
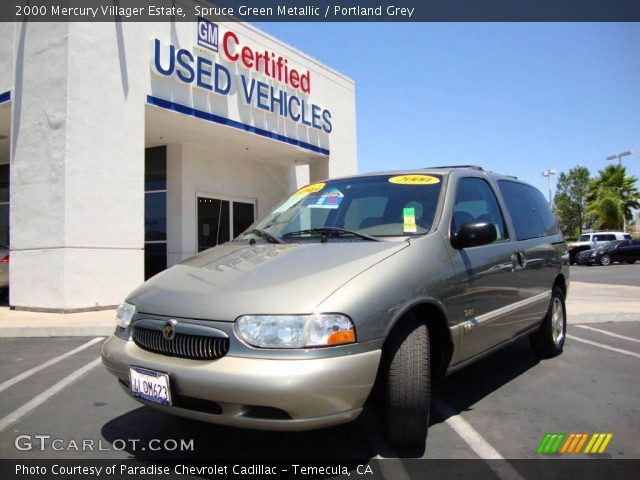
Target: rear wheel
{"type": "Point", "coordinates": [605, 260]}
{"type": "Point", "coordinates": [408, 383]}
{"type": "Point", "coordinates": [548, 340]}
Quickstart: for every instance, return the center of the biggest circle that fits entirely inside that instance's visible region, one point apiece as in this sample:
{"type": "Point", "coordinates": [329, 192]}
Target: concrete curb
{"type": "Point", "coordinates": [57, 331]}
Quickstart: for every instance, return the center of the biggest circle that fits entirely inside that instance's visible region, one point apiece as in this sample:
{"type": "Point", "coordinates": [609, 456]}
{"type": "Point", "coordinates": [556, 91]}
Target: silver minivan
{"type": "Point", "coordinates": [385, 280]}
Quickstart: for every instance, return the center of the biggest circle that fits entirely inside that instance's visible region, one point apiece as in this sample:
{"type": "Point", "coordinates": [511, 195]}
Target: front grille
{"type": "Point", "coordinates": [195, 347]}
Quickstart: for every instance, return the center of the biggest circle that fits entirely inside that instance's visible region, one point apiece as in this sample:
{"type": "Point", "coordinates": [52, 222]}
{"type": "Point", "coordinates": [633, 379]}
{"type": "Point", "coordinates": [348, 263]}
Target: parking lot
{"type": "Point", "coordinates": [500, 407]}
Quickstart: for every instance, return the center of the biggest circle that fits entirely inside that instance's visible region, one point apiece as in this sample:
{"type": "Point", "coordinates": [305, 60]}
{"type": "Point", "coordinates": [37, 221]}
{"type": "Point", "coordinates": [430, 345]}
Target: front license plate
{"type": "Point", "coordinates": [150, 385]}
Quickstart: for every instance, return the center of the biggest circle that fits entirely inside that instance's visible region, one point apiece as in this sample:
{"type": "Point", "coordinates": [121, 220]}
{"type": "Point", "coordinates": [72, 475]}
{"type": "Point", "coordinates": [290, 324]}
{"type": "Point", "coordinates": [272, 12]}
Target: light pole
{"type": "Point", "coordinates": [618, 156]}
{"type": "Point", "coordinates": [547, 173]}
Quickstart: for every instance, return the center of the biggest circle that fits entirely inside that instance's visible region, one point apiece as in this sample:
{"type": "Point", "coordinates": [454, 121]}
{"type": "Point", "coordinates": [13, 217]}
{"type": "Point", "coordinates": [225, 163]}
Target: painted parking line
{"type": "Point", "coordinates": [38, 400]}
{"type": "Point", "coordinates": [604, 332]}
{"type": "Point", "coordinates": [42, 366]}
{"type": "Point", "coordinates": [477, 443]}
{"type": "Point", "coordinates": [606, 347]}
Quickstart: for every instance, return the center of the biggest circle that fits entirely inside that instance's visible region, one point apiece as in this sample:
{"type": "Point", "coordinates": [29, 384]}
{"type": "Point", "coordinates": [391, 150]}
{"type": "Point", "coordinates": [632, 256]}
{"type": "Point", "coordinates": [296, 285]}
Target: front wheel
{"type": "Point", "coordinates": [605, 260]}
{"type": "Point", "coordinates": [408, 383]}
{"type": "Point", "coordinates": [548, 340]}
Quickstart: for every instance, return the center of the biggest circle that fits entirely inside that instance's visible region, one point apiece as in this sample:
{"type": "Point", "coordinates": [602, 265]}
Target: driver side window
{"type": "Point", "coordinates": [476, 203]}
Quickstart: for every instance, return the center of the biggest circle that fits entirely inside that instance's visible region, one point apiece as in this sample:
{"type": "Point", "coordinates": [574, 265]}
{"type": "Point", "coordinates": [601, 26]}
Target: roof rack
{"type": "Point", "coordinates": [471, 167]}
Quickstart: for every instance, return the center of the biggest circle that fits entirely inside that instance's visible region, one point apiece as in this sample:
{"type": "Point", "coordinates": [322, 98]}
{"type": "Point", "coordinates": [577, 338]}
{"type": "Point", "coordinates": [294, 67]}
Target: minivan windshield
{"type": "Point", "coordinates": [362, 208]}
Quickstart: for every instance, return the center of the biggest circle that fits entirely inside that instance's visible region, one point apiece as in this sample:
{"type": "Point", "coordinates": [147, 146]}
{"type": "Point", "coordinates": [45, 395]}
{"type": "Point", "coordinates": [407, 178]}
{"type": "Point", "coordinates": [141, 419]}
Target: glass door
{"type": "Point", "coordinates": [220, 220]}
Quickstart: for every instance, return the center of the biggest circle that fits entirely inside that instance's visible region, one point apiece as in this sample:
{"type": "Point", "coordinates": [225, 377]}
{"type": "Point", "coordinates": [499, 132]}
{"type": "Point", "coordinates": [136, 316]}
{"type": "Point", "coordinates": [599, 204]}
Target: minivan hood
{"type": "Point", "coordinates": [235, 279]}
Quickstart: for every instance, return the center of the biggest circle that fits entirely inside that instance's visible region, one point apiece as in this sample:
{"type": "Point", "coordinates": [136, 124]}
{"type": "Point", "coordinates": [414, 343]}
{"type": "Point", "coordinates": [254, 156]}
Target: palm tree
{"type": "Point", "coordinates": [611, 196]}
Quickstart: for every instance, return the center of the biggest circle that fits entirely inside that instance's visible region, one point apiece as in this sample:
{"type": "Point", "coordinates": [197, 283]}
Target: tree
{"type": "Point", "coordinates": [611, 196]}
{"type": "Point", "coordinates": [570, 200]}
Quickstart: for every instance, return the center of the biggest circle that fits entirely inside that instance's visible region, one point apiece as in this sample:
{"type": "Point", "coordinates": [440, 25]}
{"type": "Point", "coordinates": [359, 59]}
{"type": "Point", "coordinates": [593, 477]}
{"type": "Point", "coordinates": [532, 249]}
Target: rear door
{"type": "Point", "coordinates": [538, 249]}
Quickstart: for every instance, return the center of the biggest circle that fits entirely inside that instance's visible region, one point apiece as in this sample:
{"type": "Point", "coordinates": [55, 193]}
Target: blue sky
{"type": "Point", "coordinates": [515, 98]}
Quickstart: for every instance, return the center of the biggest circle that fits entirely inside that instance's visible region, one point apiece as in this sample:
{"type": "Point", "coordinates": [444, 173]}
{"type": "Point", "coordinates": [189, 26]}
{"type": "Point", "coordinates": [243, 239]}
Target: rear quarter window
{"type": "Point", "coordinates": [529, 210]}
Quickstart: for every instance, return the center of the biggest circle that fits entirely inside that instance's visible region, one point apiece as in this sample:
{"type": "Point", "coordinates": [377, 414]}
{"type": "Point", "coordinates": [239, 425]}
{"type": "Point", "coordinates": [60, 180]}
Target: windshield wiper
{"type": "Point", "coordinates": [266, 235]}
{"type": "Point", "coordinates": [334, 231]}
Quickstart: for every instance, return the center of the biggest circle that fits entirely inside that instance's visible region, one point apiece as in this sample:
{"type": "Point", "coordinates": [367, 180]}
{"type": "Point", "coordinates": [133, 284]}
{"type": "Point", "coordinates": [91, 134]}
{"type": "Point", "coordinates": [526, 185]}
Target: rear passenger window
{"type": "Point", "coordinates": [475, 203]}
{"type": "Point", "coordinates": [530, 212]}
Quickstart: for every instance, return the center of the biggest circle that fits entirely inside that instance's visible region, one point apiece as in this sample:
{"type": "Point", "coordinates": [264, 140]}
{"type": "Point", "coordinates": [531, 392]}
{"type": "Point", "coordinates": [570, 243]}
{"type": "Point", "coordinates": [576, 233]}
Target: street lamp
{"type": "Point", "coordinates": [618, 156]}
{"type": "Point", "coordinates": [547, 173]}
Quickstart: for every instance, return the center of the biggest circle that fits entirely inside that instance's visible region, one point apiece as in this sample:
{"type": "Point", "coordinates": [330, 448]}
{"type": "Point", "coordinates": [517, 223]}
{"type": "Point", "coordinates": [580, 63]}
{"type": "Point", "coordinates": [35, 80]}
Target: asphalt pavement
{"type": "Point", "coordinates": [58, 402]}
{"type": "Point", "coordinates": [616, 274]}
{"type": "Point", "coordinates": [501, 406]}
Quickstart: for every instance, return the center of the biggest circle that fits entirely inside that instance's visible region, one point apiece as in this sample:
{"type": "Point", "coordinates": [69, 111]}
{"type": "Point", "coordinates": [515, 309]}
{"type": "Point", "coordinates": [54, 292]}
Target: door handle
{"type": "Point", "coordinates": [519, 260]}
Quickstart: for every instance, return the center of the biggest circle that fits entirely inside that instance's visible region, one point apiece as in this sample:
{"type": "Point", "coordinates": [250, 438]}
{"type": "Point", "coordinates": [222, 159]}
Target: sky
{"type": "Point", "coordinates": [515, 98]}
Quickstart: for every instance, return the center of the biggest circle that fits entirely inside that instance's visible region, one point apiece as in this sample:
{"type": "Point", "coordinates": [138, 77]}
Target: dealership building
{"type": "Point", "coordinates": [127, 147]}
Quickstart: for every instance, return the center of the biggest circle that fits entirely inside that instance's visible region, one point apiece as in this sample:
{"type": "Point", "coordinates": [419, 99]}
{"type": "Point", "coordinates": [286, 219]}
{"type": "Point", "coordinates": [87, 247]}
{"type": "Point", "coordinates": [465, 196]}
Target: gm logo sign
{"type": "Point", "coordinates": [207, 34]}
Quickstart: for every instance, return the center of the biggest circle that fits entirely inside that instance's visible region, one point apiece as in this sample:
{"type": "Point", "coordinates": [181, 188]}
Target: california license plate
{"type": "Point", "coordinates": [150, 385]}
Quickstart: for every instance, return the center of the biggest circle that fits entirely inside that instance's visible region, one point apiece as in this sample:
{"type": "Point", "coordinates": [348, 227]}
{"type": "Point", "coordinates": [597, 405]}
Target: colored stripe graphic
{"type": "Point", "coordinates": [551, 442]}
{"type": "Point", "coordinates": [598, 443]}
{"type": "Point", "coordinates": [572, 443]}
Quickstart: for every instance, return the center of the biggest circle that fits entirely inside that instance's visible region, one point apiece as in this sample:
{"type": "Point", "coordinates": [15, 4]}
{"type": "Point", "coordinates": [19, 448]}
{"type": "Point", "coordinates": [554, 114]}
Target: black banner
{"type": "Point", "coordinates": [389, 469]}
{"type": "Point", "coordinates": [321, 10]}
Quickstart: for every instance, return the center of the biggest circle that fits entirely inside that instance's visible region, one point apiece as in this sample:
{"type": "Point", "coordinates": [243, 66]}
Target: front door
{"type": "Point", "coordinates": [220, 220]}
{"type": "Point", "coordinates": [485, 273]}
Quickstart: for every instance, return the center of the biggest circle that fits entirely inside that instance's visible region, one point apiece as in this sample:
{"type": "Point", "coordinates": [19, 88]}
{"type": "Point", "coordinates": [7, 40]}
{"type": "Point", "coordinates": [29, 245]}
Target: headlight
{"type": "Point", "coordinates": [296, 331]}
{"type": "Point", "coordinates": [124, 314]}
{"type": "Point", "coordinates": [594, 254]}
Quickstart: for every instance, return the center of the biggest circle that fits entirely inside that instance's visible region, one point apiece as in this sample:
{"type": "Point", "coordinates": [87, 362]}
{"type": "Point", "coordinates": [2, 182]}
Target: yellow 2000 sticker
{"type": "Point", "coordinates": [414, 180]}
{"type": "Point", "coordinates": [313, 188]}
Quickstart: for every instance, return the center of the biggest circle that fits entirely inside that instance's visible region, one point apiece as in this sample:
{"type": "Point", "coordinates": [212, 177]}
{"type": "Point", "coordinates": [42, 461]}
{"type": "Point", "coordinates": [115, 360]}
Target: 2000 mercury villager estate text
{"type": "Point", "coordinates": [381, 279]}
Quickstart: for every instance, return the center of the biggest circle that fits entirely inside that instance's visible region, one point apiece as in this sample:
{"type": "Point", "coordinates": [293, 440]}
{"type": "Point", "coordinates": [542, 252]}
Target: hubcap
{"type": "Point", "coordinates": [605, 260]}
{"type": "Point", "coordinates": [557, 321]}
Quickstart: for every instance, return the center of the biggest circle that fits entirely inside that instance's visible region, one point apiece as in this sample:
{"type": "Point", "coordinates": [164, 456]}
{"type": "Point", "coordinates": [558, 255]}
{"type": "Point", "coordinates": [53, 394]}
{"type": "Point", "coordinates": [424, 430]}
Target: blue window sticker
{"type": "Point", "coordinates": [330, 199]}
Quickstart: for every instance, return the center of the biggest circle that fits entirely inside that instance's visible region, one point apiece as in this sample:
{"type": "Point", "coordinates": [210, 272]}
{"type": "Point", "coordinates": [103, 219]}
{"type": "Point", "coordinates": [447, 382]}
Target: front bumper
{"type": "Point", "coordinates": [247, 392]}
{"type": "Point", "coordinates": [588, 260]}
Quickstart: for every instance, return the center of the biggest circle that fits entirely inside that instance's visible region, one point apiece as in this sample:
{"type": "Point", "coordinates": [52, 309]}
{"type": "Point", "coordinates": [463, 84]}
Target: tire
{"type": "Point", "coordinates": [408, 383]}
{"type": "Point", "coordinates": [631, 262]}
{"type": "Point", "coordinates": [548, 340]}
{"type": "Point", "coordinates": [605, 260]}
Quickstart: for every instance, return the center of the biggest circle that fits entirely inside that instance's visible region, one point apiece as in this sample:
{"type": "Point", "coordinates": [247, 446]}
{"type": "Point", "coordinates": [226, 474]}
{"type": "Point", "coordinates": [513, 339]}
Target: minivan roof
{"type": "Point", "coordinates": [440, 170]}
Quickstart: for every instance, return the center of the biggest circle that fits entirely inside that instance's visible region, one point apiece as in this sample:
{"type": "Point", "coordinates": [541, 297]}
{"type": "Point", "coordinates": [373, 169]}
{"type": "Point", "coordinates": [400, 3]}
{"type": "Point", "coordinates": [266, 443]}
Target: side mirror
{"type": "Point", "coordinates": [474, 235]}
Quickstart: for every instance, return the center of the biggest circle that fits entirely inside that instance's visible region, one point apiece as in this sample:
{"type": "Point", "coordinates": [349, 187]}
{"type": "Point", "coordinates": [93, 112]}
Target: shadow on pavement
{"type": "Point", "coordinates": [359, 440]}
{"type": "Point", "coordinates": [463, 389]}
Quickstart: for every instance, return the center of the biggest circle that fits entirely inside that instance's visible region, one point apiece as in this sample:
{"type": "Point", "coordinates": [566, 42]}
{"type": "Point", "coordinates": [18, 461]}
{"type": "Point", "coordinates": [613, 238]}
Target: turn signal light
{"type": "Point", "coordinates": [5, 259]}
{"type": "Point", "coordinates": [341, 337]}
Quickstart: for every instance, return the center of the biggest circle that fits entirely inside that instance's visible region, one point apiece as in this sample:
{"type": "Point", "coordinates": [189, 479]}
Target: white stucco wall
{"type": "Point", "coordinates": [195, 170]}
{"type": "Point", "coordinates": [77, 153]}
{"type": "Point", "coordinates": [7, 40]}
{"type": "Point", "coordinates": [77, 168]}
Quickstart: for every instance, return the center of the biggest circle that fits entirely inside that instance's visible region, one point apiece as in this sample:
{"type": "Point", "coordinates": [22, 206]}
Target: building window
{"type": "Point", "coordinates": [4, 205]}
{"type": "Point", "coordinates": [220, 220]}
{"type": "Point", "coordinates": [155, 211]}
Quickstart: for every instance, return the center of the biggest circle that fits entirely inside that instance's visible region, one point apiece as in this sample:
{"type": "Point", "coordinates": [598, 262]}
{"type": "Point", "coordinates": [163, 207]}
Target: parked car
{"type": "Point", "coordinates": [384, 280]}
{"type": "Point", "coordinates": [4, 267]}
{"type": "Point", "coordinates": [618, 251]}
{"type": "Point", "coordinates": [589, 241]}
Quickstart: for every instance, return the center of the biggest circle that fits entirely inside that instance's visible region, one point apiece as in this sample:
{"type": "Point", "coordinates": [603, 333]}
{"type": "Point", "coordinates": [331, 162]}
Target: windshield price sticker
{"type": "Point", "coordinates": [414, 180]}
{"type": "Point", "coordinates": [409, 220]}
